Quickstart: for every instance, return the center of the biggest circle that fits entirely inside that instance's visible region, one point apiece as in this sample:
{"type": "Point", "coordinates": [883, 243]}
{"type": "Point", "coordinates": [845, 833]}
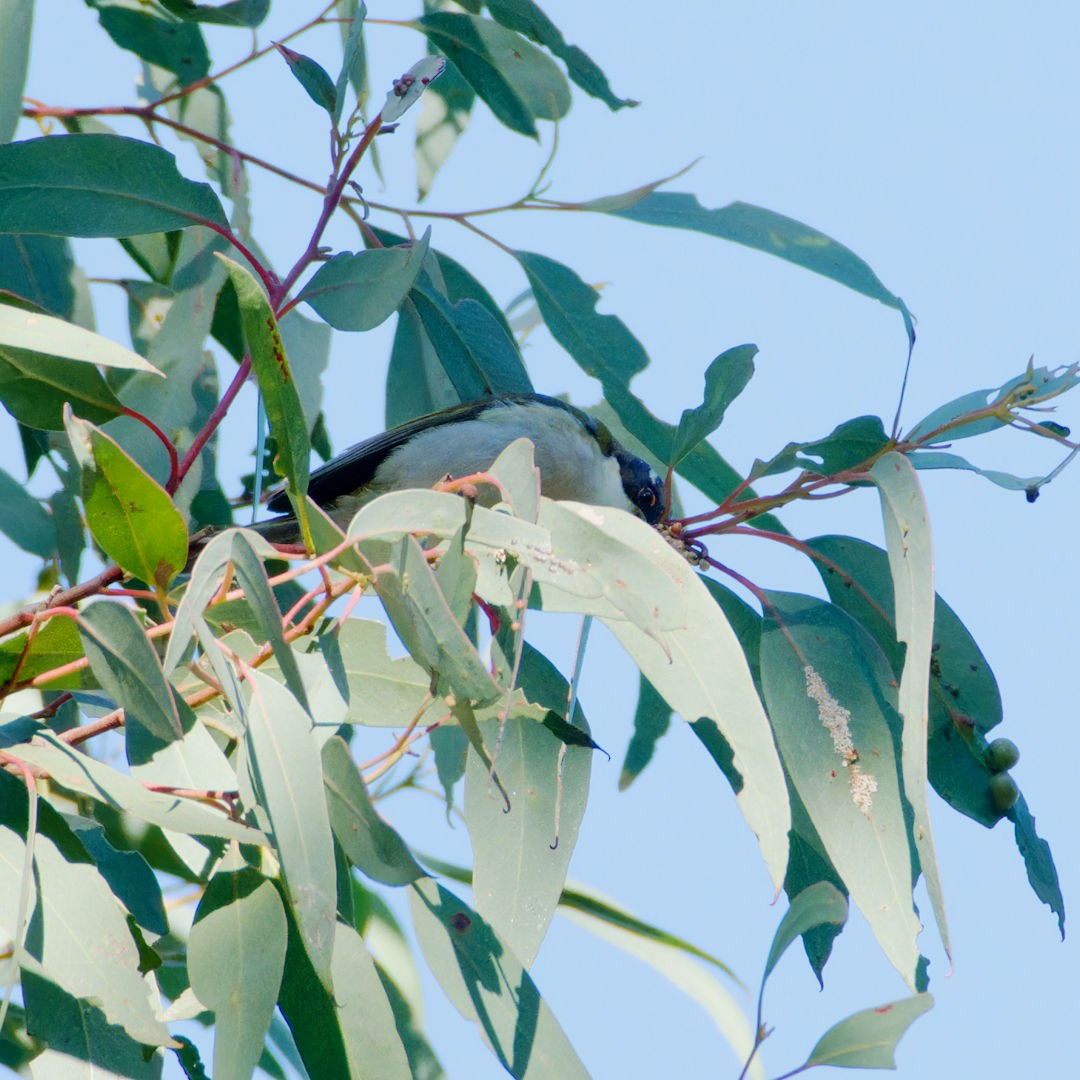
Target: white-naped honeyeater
{"type": "Point", "coordinates": [577, 456]}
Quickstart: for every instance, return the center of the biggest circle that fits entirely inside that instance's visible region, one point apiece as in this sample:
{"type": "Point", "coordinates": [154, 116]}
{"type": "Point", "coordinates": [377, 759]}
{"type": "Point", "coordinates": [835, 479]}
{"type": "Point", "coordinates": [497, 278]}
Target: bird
{"type": "Point", "coordinates": [578, 458]}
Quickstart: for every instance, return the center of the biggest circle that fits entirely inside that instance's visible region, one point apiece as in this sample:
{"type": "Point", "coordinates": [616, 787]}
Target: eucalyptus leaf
{"type": "Point", "coordinates": [488, 985]}
{"type": "Point", "coordinates": [99, 185]}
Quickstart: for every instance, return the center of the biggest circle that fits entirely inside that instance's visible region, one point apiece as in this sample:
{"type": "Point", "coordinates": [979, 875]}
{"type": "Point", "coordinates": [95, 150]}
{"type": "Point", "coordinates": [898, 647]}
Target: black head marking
{"type": "Point", "coordinates": [643, 487]}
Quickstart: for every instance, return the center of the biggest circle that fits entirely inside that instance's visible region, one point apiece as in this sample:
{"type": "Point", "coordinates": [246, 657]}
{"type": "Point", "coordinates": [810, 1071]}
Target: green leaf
{"type": "Point", "coordinates": [128, 669]}
{"type": "Point", "coordinates": [284, 412]}
{"type": "Point", "coordinates": [867, 1039]}
{"type": "Point", "coordinates": [103, 966]}
{"type": "Point", "coordinates": [349, 1032]}
{"type": "Point", "coordinates": [424, 622]}
{"type": "Point", "coordinates": [98, 185]}
{"type": "Point", "coordinates": [725, 378]}
{"type": "Point", "coordinates": [1032, 386]}
{"type": "Point", "coordinates": [765, 231]}
{"type": "Point", "coordinates": [128, 513]}
{"type": "Point", "coordinates": [939, 459]}
{"type": "Point", "coordinates": [24, 520]}
{"type": "Point", "coordinates": [488, 985]}
{"type": "Point", "coordinates": [521, 854]}
{"type": "Point", "coordinates": [479, 357]}
{"type": "Point", "coordinates": [247, 13]}
{"type": "Point", "coordinates": [911, 563]}
{"type": "Point", "coordinates": [1038, 862]}
{"type": "Point", "coordinates": [821, 903]}
{"type": "Point", "coordinates": [236, 955]}
{"type": "Point", "coordinates": [80, 773]}
{"type": "Point", "coordinates": [670, 957]}
{"type": "Point", "coordinates": [849, 444]}
{"type": "Point", "coordinates": [517, 81]}
{"type": "Point", "coordinates": [16, 18]}
{"type": "Point", "coordinates": [360, 291]}
{"type": "Point", "coordinates": [287, 774]}
{"type": "Point", "coordinates": [127, 874]}
{"type": "Point", "coordinates": [55, 644]}
{"type": "Point", "coordinates": [176, 46]}
{"type": "Point", "coordinates": [525, 17]}
{"type": "Point", "coordinates": [38, 271]}
{"type": "Point", "coordinates": [353, 57]}
{"type": "Point", "coordinates": [363, 1010]}
{"type": "Point", "coordinates": [312, 77]}
{"type": "Point", "coordinates": [36, 389]}
{"type": "Point", "coordinates": [27, 332]}
{"type": "Point", "coordinates": [668, 643]}
{"type": "Point", "coordinates": [830, 696]}
{"type": "Point", "coordinates": [79, 1039]}
{"type": "Point", "coordinates": [809, 866]}
{"type": "Point", "coordinates": [384, 691]}
{"type": "Point", "coordinates": [603, 347]}
{"type": "Point", "coordinates": [371, 845]}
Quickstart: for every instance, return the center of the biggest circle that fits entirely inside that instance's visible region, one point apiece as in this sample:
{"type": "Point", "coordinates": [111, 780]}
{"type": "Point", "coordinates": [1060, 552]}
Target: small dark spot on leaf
{"type": "Point", "coordinates": [460, 922]}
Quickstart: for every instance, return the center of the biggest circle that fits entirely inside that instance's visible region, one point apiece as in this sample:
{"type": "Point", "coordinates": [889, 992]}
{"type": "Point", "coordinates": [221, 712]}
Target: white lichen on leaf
{"type": "Point", "coordinates": [837, 721]}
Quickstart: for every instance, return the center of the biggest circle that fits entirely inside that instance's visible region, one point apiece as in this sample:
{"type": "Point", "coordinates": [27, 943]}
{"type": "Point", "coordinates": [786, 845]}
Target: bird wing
{"type": "Point", "coordinates": [355, 467]}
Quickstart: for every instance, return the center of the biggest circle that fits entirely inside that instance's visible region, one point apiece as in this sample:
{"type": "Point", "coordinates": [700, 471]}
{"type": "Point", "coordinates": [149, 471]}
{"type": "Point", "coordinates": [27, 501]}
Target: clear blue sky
{"type": "Point", "coordinates": [939, 143]}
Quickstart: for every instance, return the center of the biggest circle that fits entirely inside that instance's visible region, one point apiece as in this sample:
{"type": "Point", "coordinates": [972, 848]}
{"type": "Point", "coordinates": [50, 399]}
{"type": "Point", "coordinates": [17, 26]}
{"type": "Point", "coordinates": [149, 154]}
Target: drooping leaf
{"type": "Point", "coordinates": [98, 185]}
{"type": "Point", "coordinates": [287, 775]}
{"type": "Point", "coordinates": [830, 696]}
{"type": "Point", "coordinates": [526, 17]}
{"type": "Point", "coordinates": [821, 903]}
{"type": "Point", "coordinates": [127, 874]}
{"type": "Point", "coordinates": [23, 519]}
{"type": "Point", "coordinates": [907, 537]}
{"type": "Point", "coordinates": [353, 56]}
{"type": "Point", "coordinates": [521, 854]}
{"type": "Point", "coordinates": [360, 291]}
{"type": "Point", "coordinates": [518, 82]}
{"type": "Point", "coordinates": [347, 1032]}
{"type": "Point", "coordinates": [867, 1039]}
{"type": "Point", "coordinates": [671, 957]}
{"type": "Point", "coordinates": [488, 985]}
{"type": "Point", "coordinates": [16, 18]}
{"type": "Point", "coordinates": [128, 669]}
{"type": "Point", "coordinates": [424, 621]}
{"type": "Point", "coordinates": [1038, 862]}
{"type": "Point", "coordinates": [364, 1012]}
{"type": "Point", "coordinates": [652, 718]}
{"type": "Point", "coordinates": [370, 843]}
{"type": "Point", "coordinates": [103, 967]}
{"type": "Point", "coordinates": [769, 232]}
{"type": "Point", "coordinates": [939, 459]}
{"type": "Point", "coordinates": [79, 1036]}
{"type": "Point", "coordinates": [128, 513]}
{"type": "Point", "coordinates": [284, 412]}
{"type": "Point", "coordinates": [236, 955]}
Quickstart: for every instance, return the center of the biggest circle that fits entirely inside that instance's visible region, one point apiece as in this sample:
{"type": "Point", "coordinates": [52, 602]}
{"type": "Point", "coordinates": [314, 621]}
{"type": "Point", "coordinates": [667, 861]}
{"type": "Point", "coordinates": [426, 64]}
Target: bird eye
{"type": "Point", "coordinates": [646, 498]}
